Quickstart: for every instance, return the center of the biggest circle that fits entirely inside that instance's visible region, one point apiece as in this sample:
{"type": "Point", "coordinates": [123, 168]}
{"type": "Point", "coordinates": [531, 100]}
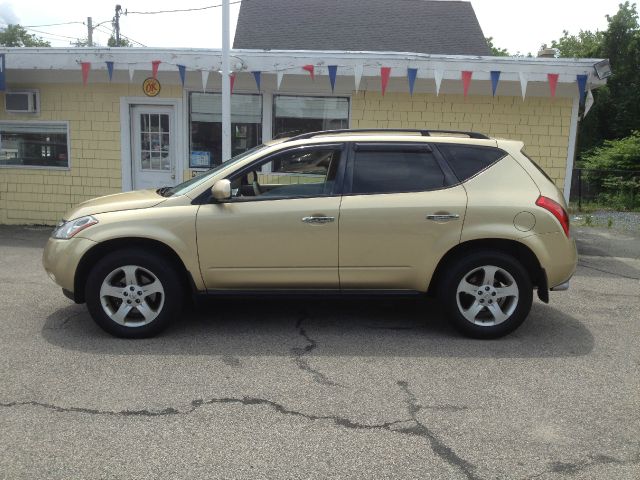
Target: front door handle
{"type": "Point", "coordinates": [318, 220]}
{"type": "Point", "coordinates": [443, 217]}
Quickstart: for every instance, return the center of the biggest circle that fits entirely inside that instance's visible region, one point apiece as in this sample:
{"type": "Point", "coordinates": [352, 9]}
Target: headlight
{"type": "Point", "coordinates": [66, 230]}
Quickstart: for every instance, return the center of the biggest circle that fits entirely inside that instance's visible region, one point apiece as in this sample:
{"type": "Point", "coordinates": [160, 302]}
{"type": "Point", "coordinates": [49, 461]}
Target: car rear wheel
{"type": "Point", "coordinates": [486, 294]}
{"type": "Point", "coordinates": [133, 293]}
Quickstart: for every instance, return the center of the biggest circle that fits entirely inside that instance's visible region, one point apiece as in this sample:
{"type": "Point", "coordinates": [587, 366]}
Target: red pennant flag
{"type": "Point", "coordinates": [311, 70]}
{"type": "Point", "coordinates": [384, 78]}
{"type": "Point", "coordinates": [86, 66]}
{"type": "Point", "coordinates": [466, 81]}
{"type": "Point", "coordinates": [553, 83]}
{"type": "Point", "coordinates": [154, 68]}
{"type": "Point", "coordinates": [232, 80]}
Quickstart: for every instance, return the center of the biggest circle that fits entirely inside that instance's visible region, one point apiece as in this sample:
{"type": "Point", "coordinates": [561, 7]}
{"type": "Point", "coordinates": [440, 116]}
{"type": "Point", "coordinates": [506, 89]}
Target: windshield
{"type": "Point", "coordinates": [194, 182]}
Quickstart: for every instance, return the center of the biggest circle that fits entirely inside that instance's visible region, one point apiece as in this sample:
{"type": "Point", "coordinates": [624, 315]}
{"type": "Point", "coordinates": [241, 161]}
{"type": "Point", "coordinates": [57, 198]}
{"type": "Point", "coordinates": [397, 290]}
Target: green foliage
{"type": "Point", "coordinates": [584, 45]}
{"type": "Point", "coordinates": [495, 51]}
{"type": "Point", "coordinates": [17, 36]}
{"type": "Point", "coordinates": [623, 154]}
{"type": "Point", "coordinates": [124, 42]}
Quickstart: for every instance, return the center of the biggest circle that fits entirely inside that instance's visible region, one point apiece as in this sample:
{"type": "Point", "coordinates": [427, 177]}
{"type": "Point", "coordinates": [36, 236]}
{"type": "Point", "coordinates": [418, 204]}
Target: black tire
{"type": "Point", "coordinates": [163, 307]}
{"type": "Point", "coordinates": [506, 314]}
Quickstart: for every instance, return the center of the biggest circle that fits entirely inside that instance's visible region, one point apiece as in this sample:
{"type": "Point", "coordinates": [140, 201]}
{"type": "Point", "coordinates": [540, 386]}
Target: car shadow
{"type": "Point", "coordinates": [335, 327]}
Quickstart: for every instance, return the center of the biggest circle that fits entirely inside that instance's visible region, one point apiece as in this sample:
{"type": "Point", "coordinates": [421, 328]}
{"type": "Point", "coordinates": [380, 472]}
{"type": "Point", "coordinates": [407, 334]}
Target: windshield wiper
{"type": "Point", "coordinates": [162, 191]}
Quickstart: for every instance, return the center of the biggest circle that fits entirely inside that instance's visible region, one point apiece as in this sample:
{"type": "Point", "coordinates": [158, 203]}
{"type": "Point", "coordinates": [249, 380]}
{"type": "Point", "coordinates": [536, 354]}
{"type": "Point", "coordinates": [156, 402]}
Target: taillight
{"type": "Point", "coordinates": [556, 209]}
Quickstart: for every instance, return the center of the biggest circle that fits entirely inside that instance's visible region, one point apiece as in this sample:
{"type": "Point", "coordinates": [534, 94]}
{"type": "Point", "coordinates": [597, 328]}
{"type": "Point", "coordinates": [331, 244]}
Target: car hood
{"type": "Point", "coordinates": [116, 202]}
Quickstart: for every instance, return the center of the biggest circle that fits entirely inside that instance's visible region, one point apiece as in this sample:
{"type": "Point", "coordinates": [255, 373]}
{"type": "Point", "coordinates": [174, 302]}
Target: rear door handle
{"type": "Point", "coordinates": [318, 220]}
{"type": "Point", "coordinates": [443, 217]}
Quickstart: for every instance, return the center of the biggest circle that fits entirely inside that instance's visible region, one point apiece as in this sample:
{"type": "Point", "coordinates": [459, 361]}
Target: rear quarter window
{"type": "Point", "coordinates": [469, 160]}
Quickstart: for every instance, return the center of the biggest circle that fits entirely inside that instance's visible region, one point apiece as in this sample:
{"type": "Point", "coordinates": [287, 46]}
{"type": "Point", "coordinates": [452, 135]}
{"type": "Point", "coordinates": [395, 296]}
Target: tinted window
{"type": "Point", "coordinates": [467, 160]}
{"type": "Point", "coordinates": [396, 171]}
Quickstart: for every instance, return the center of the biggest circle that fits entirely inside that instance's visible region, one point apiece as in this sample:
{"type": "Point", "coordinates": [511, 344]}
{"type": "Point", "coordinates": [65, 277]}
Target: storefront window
{"type": "Point", "coordinates": [295, 115]}
{"type": "Point", "coordinates": [36, 144]}
{"type": "Point", "coordinates": [206, 126]}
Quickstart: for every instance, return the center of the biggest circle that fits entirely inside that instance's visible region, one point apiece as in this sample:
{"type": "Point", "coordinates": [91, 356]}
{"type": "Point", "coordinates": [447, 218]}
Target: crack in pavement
{"type": "Point", "coordinates": [303, 364]}
{"type": "Point", "coordinates": [567, 468]}
{"type": "Point", "coordinates": [415, 427]}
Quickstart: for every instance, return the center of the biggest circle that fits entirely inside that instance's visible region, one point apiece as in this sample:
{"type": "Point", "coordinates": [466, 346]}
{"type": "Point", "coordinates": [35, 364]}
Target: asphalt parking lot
{"type": "Point", "coordinates": [323, 388]}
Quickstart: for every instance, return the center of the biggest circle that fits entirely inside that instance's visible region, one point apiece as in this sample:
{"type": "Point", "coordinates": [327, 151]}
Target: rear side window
{"type": "Point", "coordinates": [395, 171]}
{"type": "Point", "coordinates": [467, 160]}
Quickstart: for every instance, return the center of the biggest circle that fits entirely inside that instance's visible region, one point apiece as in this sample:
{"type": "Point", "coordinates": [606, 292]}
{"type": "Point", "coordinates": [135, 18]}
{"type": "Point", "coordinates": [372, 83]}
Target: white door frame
{"type": "Point", "coordinates": [125, 135]}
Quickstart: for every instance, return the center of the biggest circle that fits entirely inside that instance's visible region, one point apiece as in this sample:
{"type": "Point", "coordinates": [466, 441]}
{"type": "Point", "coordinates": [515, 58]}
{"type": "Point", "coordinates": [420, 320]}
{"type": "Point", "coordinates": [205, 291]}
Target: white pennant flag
{"type": "Point", "coordinates": [279, 76]}
{"type": "Point", "coordinates": [437, 75]}
{"type": "Point", "coordinates": [205, 78]}
{"type": "Point", "coordinates": [132, 71]}
{"type": "Point", "coordinates": [357, 75]}
{"type": "Point", "coordinates": [523, 84]}
{"type": "Point", "coordinates": [588, 103]}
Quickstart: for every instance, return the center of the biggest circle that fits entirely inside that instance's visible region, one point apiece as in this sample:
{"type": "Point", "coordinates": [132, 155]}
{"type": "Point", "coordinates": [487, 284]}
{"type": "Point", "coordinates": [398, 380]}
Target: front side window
{"type": "Point", "coordinates": [391, 171]}
{"type": "Point", "coordinates": [296, 115]}
{"type": "Point", "coordinates": [205, 119]}
{"type": "Point", "coordinates": [291, 174]}
{"type": "Point", "coordinates": [34, 144]}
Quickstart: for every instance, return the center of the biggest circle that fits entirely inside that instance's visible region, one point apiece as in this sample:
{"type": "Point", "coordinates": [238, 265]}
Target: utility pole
{"type": "Point", "coordinates": [89, 32]}
{"type": "Point", "coordinates": [226, 85]}
{"type": "Point", "coordinates": [116, 24]}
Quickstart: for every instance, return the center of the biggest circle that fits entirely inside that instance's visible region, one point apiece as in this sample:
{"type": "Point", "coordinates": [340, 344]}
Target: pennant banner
{"type": "Point", "coordinates": [385, 72]}
{"type": "Point", "coordinates": [154, 68]}
{"type": "Point", "coordinates": [523, 84]}
{"type": "Point", "coordinates": [86, 66]}
{"type": "Point", "coordinates": [357, 73]}
{"type": "Point", "coordinates": [495, 79]}
{"type": "Point", "coordinates": [553, 83]}
{"type": "Point", "coordinates": [3, 77]}
{"type": "Point", "coordinates": [182, 70]}
{"type": "Point", "coordinates": [412, 73]}
{"type": "Point", "coordinates": [437, 75]}
{"type": "Point", "coordinates": [588, 103]}
{"type": "Point", "coordinates": [582, 86]}
{"type": "Point", "coordinates": [466, 81]}
{"type": "Point", "coordinates": [279, 76]}
{"type": "Point", "coordinates": [333, 71]}
{"type": "Point", "coordinates": [205, 78]}
{"type": "Point", "coordinates": [311, 70]}
{"type": "Point", "coordinates": [232, 80]}
{"type": "Point", "coordinates": [257, 77]}
{"type": "Point", "coordinates": [132, 71]}
{"type": "Point", "coordinates": [110, 70]}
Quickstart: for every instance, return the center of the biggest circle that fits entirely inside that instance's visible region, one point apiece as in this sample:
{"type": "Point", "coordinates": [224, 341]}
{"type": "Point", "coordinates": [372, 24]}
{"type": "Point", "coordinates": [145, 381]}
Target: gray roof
{"type": "Point", "coordinates": [421, 26]}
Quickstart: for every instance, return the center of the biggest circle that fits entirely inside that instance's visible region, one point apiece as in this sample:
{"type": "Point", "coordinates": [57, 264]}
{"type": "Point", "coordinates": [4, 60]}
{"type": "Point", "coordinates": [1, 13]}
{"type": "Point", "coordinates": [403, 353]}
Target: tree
{"type": "Point", "coordinates": [124, 42]}
{"type": "Point", "coordinates": [495, 51]}
{"type": "Point", "coordinates": [17, 36]}
{"type": "Point", "coordinates": [584, 45]}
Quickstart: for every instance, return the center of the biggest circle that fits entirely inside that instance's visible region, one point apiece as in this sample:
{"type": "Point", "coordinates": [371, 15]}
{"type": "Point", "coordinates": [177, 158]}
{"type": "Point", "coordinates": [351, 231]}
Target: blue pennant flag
{"type": "Point", "coordinates": [182, 70]}
{"type": "Point", "coordinates": [110, 69]}
{"type": "Point", "coordinates": [3, 77]}
{"type": "Point", "coordinates": [257, 76]}
{"type": "Point", "coordinates": [412, 73]}
{"type": "Point", "coordinates": [582, 86]}
{"type": "Point", "coordinates": [333, 70]}
{"type": "Point", "coordinates": [495, 78]}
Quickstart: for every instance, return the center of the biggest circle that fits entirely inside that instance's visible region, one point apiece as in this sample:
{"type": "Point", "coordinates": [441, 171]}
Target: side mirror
{"type": "Point", "coordinates": [221, 190]}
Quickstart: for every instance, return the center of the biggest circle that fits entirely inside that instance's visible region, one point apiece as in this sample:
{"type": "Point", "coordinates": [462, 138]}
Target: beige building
{"type": "Point", "coordinates": [63, 141]}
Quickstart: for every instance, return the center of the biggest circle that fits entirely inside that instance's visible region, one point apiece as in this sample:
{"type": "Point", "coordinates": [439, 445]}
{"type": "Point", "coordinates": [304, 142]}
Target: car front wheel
{"type": "Point", "coordinates": [486, 294]}
{"type": "Point", "coordinates": [133, 294]}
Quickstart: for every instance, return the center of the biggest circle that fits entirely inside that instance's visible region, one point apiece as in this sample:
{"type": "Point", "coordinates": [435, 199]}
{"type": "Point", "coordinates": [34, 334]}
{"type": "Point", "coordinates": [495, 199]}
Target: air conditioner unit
{"type": "Point", "coordinates": [25, 101]}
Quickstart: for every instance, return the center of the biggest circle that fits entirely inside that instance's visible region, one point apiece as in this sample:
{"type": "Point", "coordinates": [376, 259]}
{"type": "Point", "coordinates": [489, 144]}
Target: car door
{"type": "Point", "coordinates": [280, 228]}
{"type": "Point", "coordinates": [400, 213]}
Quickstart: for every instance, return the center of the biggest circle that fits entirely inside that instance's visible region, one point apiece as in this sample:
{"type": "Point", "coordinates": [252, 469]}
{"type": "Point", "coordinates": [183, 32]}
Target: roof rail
{"type": "Point", "coordinates": [424, 133]}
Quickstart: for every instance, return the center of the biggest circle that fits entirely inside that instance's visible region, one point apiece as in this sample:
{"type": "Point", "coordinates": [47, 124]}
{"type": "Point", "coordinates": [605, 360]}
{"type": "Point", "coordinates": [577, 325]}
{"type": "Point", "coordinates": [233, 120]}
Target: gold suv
{"type": "Point", "coordinates": [469, 218]}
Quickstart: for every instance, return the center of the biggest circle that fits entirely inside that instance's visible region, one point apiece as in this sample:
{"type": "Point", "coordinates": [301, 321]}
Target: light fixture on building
{"type": "Point", "coordinates": [603, 69]}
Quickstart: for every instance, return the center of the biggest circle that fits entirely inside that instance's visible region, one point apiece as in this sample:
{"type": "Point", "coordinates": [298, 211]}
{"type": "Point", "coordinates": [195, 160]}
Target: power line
{"type": "Point", "coordinates": [50, 33]}
{"type": "Point", "coordinates": [180, 10]}
{"type": "Point", "coordinates": [109, 31]}
{"type": "Point", "coordinates": [50, 25]}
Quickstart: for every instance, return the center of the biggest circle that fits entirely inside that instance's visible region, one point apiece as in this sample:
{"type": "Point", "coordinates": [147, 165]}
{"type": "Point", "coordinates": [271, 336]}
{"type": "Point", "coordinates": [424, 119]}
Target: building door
{"type": "Point", "coordinates": [153, 145]}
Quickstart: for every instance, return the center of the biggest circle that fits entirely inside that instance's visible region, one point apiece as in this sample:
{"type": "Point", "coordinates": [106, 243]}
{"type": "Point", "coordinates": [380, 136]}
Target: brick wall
{"type": "Point", "coordinates": [541, 123]}
{"type": "Point", "coordinates": [41, 196]}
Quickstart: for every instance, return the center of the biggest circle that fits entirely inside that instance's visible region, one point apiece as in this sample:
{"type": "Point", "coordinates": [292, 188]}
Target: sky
{"type": "Point", "coordinates": [517, 25]}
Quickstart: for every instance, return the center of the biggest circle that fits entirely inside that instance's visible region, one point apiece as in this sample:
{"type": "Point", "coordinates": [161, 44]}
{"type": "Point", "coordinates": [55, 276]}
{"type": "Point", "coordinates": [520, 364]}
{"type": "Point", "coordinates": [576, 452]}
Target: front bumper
{"type": "Point", "coordinates": [60, 259]}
